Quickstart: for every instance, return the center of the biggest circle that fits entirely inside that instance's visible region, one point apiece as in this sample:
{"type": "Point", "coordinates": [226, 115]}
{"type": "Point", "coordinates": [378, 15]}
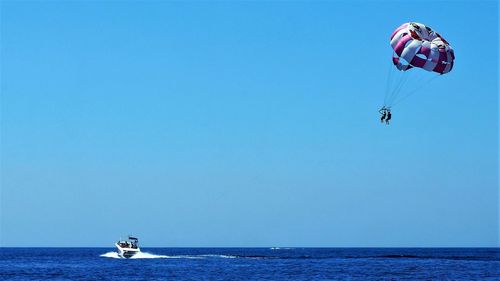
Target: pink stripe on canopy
{"type": "Point", "coordinates": [401, 44]}
{"type": "Point", "coordinates": [420, 61]}
{"type": "Point", "coordinates": [441, 63]}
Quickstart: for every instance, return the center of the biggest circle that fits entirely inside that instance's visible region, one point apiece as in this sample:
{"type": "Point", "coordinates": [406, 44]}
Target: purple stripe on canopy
{"type": "Point", "coordinates": [401, 44]}
{"type": "Point", "coordinates": [417, 61]}
{"type": "Point", "coordinates": [442, 62]}
{"type": "Point", "coordinates": [420, 61]}
{"type": "Point", "coordinates": [425, 51]}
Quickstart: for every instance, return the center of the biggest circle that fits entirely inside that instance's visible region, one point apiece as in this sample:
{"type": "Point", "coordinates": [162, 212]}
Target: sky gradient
{"type": "Point", "coordinates": [243, 124]}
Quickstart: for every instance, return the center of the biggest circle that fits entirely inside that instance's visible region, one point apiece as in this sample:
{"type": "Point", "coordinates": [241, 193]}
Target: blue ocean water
{"type": "Point", "coordinates": [252, 264]}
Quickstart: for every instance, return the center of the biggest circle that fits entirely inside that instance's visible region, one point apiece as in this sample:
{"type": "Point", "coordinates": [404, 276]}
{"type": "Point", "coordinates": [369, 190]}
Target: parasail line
{"type": "Point", "coordinates": [428, 81]}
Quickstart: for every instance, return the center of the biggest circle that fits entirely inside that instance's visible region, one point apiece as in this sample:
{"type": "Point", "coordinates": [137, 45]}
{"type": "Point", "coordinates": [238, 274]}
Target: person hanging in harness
{"type": "Point", "coordinates": [383, 112]}
{"type": "Point", "coordinates": [388, 118]}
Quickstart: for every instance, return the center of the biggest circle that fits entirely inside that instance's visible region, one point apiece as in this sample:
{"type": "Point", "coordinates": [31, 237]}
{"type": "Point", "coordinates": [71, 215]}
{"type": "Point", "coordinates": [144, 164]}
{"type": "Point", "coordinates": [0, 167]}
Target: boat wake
{"type": "Point", "coordinates": [145, 255]}
{"type": "Point", "coordinates": [113, 255]}
{"type": "Point", "coordinates": [140, 255]}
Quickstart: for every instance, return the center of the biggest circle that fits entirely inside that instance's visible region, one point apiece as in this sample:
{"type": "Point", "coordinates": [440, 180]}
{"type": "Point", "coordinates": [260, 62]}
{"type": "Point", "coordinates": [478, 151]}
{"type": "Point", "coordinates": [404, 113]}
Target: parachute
{"type": "Point", "coordinates": [416, 46]}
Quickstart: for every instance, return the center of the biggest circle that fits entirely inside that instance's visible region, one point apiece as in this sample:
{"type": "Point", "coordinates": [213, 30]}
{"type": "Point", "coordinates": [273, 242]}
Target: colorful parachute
{"type": "Point", "coordinates": [417, 45]}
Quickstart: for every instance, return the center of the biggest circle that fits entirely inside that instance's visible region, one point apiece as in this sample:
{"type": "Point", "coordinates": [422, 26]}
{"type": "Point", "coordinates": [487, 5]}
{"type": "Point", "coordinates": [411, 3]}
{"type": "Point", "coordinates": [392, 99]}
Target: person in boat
{"type": "Point", "coordinates": [388, 118]}
{"type": "Point", "coordinates": [383, 112]}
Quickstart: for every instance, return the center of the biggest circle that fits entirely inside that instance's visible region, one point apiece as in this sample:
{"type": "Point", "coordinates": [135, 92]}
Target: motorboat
{"type": "Point", "coordinates": [128, 247]}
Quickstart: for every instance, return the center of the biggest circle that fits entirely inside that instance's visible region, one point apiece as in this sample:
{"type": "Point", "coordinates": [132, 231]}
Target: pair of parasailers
{"type": "Point", "coordinates": [386, 115]}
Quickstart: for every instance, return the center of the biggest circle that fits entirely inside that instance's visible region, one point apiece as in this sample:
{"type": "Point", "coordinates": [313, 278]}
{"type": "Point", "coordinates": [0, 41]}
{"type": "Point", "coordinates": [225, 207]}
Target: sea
{"type": "Point", "coordinates": [251, 264]}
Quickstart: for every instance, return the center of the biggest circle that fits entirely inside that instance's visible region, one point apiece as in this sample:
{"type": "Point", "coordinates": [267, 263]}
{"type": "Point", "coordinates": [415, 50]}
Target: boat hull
{"type": "Point", "coordinates": [127, 252]}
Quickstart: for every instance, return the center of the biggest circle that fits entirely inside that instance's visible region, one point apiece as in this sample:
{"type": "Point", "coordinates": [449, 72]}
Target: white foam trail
{"type": "Point", "coordinates": [113, 255]}
{"type": "Point", "coordinates": [145, 255]}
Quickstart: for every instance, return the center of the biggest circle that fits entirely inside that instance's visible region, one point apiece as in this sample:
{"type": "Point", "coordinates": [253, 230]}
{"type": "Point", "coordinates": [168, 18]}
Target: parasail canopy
{"type": "Point", "coordinates": [417, 45]}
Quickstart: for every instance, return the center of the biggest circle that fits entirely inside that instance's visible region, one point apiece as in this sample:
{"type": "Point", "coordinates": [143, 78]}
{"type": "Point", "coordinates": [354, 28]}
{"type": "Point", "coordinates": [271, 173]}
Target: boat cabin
{"type": "Point", "coordinates": [131, 243]}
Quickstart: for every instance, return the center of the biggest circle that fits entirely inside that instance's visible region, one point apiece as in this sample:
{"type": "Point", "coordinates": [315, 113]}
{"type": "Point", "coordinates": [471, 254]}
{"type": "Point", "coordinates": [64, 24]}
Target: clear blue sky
{"type": "Point", "coordinates": [243, 124]}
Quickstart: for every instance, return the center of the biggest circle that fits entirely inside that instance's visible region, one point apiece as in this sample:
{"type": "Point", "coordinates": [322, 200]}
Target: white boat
{"type": "Point", "coordinates": [128, 248]}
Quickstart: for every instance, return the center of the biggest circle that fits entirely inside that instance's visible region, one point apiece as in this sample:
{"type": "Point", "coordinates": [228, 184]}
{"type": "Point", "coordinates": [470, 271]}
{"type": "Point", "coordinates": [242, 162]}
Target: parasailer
{"type": "Point", "coordinates": [388, 118]}
{"type": "Point", "coordinates": [383, 114]}
{"type": "Point", "coordinates": [386, 115]}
